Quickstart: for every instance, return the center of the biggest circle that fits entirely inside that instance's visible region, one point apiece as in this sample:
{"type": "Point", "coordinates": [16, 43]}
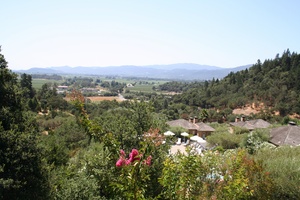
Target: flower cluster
{"type": "Point", "coordinates": [148, 161]}
{"type": "Point", "coordinates": [133, 156]}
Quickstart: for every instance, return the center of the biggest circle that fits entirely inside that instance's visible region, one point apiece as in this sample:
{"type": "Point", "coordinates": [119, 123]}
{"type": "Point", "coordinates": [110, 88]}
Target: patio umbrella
{"type": "Point", "coordinates": [184, 134]}
{"type": "Point", "coordinates": [198, 139]}
{"type": "Point", "coordinates": [195, 138]}
{"type": "Point", "coordinates": [169, 133]}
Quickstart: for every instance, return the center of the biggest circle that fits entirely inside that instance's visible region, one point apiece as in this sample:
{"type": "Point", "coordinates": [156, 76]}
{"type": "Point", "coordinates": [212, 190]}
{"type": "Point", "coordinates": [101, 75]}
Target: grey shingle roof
{"type": "Point", "coordinates": [182, 123]}
{"type": "Point", "coordinates": [285, 135]}
{"type": "Point", "coordinates": [188, 125]}
{"type": "Point", "coordinates": [252, 124]}
{"type": "Point", "coordinates": [204, 127]}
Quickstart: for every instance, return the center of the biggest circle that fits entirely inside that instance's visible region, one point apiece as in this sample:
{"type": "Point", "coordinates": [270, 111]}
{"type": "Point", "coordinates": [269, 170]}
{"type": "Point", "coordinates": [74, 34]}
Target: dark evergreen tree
{"type": "Point", "coordinates": [26, 84]}
{"type": "Point", "coordinates": [21, 175]}
{"type": "Point", "coordinates": [10, 101]}
{"type": "Point", "coordinates": [21, 168]}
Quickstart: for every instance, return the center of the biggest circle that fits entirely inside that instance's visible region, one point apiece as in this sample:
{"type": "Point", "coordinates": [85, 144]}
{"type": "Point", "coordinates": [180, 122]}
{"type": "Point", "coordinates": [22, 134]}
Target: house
{"type": "Point", "coordinates": [193, 126]}
{"type": "Point", "coordinates": [250, 124]}
{"type": "Point", "coordinates": [90, 90]}
{"type": "Point", "coordinates": [204, 129]}
{"type": "Point", "coordinates": [129, 85]}
{"type": "Point", "coordinates": [62, 89]}
{"type": "Point", "coordinates": [285, 135]}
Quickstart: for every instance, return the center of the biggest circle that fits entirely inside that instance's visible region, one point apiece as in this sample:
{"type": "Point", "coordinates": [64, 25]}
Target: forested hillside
{"type": "Point", "coordinates": [273, 84]}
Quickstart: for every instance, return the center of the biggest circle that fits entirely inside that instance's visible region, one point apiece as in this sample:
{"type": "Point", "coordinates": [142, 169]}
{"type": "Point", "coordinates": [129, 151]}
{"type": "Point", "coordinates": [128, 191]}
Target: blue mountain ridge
{"type": "Point", "coordinates": [179, 71]}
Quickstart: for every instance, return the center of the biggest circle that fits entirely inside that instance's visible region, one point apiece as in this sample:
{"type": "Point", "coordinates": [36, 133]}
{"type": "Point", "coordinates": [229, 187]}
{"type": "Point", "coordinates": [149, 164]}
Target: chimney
{"type": "Point", "coordinates": [195, 120]}
{"type": "Point", "coordinates": [237, 119]}
{"type": "Point", "coordinates": [191, 120]}
{"type": "Point", "coordinates": [243, 118]}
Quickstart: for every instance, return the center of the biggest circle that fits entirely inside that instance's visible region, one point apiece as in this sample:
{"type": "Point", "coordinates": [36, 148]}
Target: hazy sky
{"type": "Point", "coordinates": [224, 33]}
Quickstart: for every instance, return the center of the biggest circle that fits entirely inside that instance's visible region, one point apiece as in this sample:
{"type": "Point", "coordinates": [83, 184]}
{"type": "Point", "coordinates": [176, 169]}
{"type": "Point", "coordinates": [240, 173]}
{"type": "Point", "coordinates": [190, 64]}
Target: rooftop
{"type": "Point", "coordinates": [285, 135]}
{"type": "Point", "coordinates": [189, 125]}
{"type": "Point", "coordinates": [252, 124]}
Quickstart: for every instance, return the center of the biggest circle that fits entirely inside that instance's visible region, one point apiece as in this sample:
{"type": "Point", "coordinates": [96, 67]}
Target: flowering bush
{"type": "Point", "coordinates": [133, 156]}
{"type": "Point", "coordinates": [134, 175]}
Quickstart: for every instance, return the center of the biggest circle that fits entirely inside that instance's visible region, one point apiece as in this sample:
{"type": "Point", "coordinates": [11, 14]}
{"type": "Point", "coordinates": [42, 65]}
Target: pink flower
{"type": "Point", "coordinates": [134, 155]}
{"type": "Point", "coordinates": [148, 160]}
{"type": "Point", "coordinates": [130, 158]}
{"type": "Point", "coordinates": [122, 153]}
{"type": "Point", "coordinates": [127, 162]}
{"type": "Point", "coordinates": [120, 162]}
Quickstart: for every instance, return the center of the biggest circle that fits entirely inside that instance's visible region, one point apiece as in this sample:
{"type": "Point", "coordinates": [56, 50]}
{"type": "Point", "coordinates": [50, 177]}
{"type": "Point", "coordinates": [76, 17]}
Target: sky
{"type": "Point", "coordinates": [223, 33]}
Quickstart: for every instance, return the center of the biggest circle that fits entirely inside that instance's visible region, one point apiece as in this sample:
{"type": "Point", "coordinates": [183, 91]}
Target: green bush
{"type": "Point", "coordinates": [240, 130]}
{"type": "Point", "coordinates": [232, 175]}
{"type": "Point", "coordinates": [225, 140]}
{"type": "Point", "coordinates": [256, 140]}
{"type": "Point", "coordinates": [283, 165]}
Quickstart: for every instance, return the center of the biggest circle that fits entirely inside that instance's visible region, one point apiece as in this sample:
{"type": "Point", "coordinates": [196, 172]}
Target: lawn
{"type": "Point", "coordinates": [141, 88]}
{"type": "Point", "coordinates": [37, 83]}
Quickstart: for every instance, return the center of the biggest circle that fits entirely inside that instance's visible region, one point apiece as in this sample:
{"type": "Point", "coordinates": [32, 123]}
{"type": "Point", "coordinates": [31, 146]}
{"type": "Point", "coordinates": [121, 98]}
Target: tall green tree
{"type": "Point", "coordinates": [10, 101]}
{"type": "Point", "coordinates": [26, 85]}
{"type": "Point", "coordinates": [21, 166]}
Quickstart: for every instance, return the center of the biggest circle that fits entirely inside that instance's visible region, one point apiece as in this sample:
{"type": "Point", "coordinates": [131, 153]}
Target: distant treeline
{"type": "Point", "coordinates": [47, 76]}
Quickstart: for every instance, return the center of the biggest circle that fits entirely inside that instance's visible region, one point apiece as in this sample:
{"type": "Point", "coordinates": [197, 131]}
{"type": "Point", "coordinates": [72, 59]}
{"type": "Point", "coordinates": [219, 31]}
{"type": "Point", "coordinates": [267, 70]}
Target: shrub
{"type": "Point", "coordinates": [226, 140]}
{"type": "Point", "coordinates": [283, 165]}
{"type": "Point", "coordinates": [232, 175]}
{"type": "Point", "coordinates": [256, 140]}
{"type": "Point", "coordinates": [240, 130]}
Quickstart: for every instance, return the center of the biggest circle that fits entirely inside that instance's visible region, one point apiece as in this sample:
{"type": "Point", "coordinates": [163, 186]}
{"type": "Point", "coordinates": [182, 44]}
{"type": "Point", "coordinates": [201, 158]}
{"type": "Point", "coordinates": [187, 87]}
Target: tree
{"type": "Point", "coordinates": [10, 101]}
{"type": "Point", "coordinates": [21, 174]}
{"type": "Point", "coordinates": [21, 167]}
{"type": "Point", "coordinates": [204, 115]}
{"type": "Point", "coordinates": [93, 130]}
{"type": "Point", "coordinates": [26, 85]}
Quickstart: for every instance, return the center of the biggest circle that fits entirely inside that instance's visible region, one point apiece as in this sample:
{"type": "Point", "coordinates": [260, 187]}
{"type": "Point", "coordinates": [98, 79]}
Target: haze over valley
{"type": "Point", "coordinates": [182, 71]}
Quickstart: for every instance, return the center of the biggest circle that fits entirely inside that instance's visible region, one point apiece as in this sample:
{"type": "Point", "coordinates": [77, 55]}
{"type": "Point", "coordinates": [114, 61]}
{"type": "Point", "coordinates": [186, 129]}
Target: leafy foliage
{"type": "Point", "coordinates": [21, 174]}
{"type": "Point", "coordinates": [231, 175]}
{"type": "Point", "coordinates": [223, 138]}
{"type": "Point", "coordinates": [256, 140]}
{"type": "Point", "coordinates": [283, 165]}
{"type": "Point", "coordinates": [10, 101]}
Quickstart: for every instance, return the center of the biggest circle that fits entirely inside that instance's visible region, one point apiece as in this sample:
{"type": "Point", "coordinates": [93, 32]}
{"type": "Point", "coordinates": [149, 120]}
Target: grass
{"type": "Point", "coordinates": [38, 83]}
{"type": "Point", "coordinates": [147, 88]}
{"type": "Point", "coordinates": [141, 88]}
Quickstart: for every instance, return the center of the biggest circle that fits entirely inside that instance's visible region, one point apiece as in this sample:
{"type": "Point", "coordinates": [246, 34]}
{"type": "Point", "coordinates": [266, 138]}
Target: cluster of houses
{"type": "Point", "coordinates": [284, 135]}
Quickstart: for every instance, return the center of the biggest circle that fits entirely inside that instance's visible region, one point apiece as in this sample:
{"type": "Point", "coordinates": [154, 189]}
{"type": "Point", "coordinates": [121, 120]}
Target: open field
{"type": "Point", "coordinates": [141, 88]}
{"type": "Point", "coordinates": [97, 99]}
{"type": "Point", "coordinates": [37, 83]}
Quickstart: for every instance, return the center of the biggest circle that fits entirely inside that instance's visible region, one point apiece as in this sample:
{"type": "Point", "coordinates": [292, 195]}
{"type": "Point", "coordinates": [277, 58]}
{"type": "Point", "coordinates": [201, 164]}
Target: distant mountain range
{"type": "Point", "coordinates": [181, 71]}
